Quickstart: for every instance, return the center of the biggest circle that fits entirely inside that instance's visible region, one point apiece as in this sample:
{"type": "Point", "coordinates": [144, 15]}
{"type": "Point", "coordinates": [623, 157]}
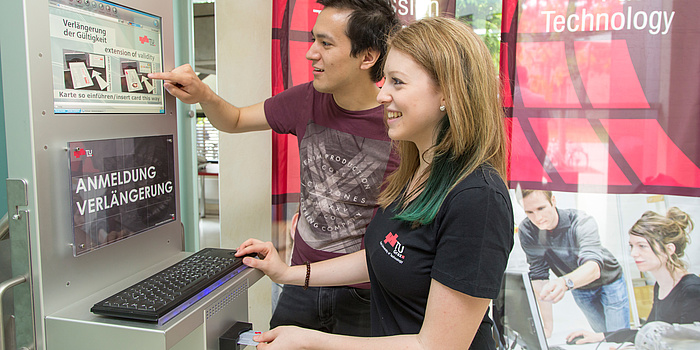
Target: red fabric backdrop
{"type": "Point", "coordinates": [602, 96]}
{"type": "Point", "coordinates": [292, 22]}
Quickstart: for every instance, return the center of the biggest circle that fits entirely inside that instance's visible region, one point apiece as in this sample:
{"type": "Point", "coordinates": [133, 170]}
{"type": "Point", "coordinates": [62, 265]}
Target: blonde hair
{"type": "Point", "coordinates": [472, 132]}
{"type": "Point", "coordinates": [659, 230]}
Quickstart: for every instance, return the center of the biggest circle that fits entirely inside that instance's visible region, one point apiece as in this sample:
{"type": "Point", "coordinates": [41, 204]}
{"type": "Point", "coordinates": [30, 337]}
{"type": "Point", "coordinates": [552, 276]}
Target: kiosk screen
{"type": "Point", "coordinates": [101, 53]}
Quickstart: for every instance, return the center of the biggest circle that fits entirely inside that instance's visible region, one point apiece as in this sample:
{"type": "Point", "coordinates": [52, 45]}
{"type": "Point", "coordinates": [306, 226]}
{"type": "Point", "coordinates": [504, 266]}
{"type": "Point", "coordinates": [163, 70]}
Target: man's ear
{"type": "Point", "coordinates": [369, 58]}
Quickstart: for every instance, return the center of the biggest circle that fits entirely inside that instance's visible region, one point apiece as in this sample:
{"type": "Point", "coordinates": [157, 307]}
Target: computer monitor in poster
{"type": "Point", "coordinates": [517, 315]}
{"type": "Point", "coordinates": [101, 53]}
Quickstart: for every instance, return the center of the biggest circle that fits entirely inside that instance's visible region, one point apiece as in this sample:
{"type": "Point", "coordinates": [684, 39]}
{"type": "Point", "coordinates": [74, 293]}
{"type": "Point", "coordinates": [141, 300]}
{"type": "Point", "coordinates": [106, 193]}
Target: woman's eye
{"type": "Point", "coordinates": [396, 81]}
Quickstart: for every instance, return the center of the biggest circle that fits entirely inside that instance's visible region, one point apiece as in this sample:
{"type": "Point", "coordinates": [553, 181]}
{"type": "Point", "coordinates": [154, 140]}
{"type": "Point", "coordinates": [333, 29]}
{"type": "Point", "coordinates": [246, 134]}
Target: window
{"type": "Point", "coordinates": [207, 139]}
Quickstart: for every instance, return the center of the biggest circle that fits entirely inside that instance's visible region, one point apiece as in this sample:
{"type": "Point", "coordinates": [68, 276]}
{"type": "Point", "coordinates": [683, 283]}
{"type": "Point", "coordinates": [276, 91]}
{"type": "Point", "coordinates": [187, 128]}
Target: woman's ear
{"type": "Point", "coordinates": [670, 248]}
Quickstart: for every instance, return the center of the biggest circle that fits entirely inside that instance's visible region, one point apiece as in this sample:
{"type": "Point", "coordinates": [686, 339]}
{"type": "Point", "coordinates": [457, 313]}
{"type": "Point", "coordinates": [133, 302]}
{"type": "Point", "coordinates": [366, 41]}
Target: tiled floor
{"type": "Point", "coordinates": [209, 230]}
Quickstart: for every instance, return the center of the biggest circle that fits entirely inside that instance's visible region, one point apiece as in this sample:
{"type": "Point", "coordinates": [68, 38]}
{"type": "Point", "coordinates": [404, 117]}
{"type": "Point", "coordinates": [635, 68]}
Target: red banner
{"type": "Point", "coordinates": [602, 95]}
{"type": "Point", "coordinates": [292, 22]}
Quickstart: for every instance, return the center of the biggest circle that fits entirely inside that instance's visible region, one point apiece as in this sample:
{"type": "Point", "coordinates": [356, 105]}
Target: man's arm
{"type": "Point", "coordinates": [183, 83]}
{"type": "Point", "coordinates": [554, 290]}
{"type": "Point", "coordinates": [584, 274]}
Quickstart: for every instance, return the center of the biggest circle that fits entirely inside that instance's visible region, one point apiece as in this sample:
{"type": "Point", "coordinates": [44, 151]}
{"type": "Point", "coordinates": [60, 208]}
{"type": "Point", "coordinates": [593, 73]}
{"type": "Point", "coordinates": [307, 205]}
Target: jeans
{"type": "Point", "coordinates": [607, 308]}
{"type": "Point", "coordinates": [338, 310]}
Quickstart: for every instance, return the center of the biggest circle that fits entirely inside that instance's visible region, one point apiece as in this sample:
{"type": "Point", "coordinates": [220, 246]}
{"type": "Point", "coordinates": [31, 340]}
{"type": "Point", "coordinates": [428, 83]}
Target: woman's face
{"type": "Point", "coordinates": [644, 256]}
{"type": "Point", "coordinates": [411, 100]}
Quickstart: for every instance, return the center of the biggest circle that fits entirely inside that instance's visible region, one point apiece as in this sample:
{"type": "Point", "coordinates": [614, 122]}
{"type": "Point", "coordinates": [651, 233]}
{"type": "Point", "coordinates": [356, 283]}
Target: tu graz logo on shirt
{"type": "Point", "coordinates": [393, 247]}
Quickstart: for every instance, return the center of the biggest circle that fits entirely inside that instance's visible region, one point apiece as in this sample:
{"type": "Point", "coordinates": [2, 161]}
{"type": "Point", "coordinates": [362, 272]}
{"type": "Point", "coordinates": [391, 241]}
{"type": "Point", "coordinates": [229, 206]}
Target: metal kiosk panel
{"type": "Point", "coordinates": [75, 71]}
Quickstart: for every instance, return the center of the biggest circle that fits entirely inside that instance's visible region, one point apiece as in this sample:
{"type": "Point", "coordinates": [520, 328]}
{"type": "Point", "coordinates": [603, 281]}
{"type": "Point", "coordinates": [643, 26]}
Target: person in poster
{"type": "Point", "coordinates": [566, 241]}
{"type": "Point", "coordinates": [657, 245]}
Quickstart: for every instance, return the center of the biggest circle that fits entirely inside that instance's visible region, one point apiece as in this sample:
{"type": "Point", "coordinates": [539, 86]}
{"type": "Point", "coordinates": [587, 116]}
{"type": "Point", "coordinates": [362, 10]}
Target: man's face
{"type": "Point", "coordinates": [540, 211]}
{"type": "Point", "coordinates": [333, 67]}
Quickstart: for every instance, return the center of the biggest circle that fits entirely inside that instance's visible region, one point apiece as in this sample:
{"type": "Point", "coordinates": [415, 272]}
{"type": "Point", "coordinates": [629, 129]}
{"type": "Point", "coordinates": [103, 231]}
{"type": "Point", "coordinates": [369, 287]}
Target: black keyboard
{"type": "Point", "coordinates": [163, 295]}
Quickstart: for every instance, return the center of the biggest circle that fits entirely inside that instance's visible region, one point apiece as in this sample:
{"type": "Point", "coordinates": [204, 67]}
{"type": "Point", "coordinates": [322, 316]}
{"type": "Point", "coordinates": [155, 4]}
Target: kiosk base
{"type": "Point", "coordinates": [198, 327]}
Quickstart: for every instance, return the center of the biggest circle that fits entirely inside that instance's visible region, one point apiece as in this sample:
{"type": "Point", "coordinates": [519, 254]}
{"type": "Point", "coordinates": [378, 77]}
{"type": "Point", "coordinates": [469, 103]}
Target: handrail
{"type": "Point", "coordinates": [4, 286]}
{"type": "Point", "coordinates": [4, 227]}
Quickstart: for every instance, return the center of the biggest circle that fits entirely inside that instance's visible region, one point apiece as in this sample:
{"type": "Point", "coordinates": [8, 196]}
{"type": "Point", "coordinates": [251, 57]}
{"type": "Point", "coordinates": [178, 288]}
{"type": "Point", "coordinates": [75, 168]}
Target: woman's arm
{"type": "Point", "coordinates": [451, 320]}
{"type": "Point", "coordinates": [341, 271]}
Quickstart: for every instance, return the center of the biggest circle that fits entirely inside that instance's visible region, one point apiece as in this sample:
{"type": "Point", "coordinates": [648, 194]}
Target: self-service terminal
{"type": "Point", "coordinates": [93, 187]}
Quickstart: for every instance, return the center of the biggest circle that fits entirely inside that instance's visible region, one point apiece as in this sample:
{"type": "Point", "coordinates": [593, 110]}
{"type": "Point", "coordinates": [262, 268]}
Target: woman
{"type": "Point", "coordinates": [437, 248]}
{"type": "Point", "coordinates": [657, 245]}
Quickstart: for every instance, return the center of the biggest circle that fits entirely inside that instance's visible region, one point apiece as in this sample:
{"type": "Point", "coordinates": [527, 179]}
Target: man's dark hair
{"type": "Point", "coordinates": [369, 25]}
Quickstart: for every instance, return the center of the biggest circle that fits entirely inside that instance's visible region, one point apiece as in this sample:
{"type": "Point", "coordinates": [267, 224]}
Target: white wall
{"type": "Point", "coordinates": [243, 61]}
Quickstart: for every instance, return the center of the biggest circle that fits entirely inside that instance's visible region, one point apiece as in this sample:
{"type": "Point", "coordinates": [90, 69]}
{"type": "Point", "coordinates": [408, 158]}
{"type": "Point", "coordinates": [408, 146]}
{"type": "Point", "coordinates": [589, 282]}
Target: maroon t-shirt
{"type": "Point", "coordinates": [344, 158]}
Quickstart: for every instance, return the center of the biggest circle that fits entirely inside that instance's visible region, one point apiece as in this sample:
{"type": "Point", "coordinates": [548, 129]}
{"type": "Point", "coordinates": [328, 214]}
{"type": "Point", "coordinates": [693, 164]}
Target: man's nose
{"type": "Point", "coordinates": [312, 53]}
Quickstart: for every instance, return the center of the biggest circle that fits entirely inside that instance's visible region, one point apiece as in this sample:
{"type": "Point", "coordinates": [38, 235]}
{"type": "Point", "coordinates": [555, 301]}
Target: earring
{"type": "Point", "coordinates": [442, 108]}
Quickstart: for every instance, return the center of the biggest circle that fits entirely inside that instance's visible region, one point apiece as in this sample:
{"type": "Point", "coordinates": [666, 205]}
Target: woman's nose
{"type": "Point", "coordinates": [383, 96]}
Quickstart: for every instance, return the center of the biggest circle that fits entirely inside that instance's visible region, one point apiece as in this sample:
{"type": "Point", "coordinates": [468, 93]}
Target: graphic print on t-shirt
{"type": "Point", "coordinates": [341, 178]}
{"type": "Point", "coordinates": [393, 247]}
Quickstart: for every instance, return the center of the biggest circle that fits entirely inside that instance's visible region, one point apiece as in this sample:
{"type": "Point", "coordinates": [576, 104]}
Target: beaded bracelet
{"type": "Point", "coordinates": [308, 274]}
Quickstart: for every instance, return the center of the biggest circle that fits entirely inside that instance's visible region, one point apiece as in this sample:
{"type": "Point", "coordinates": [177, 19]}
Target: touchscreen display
{"type": "Point", "coordinates": [101, 53]}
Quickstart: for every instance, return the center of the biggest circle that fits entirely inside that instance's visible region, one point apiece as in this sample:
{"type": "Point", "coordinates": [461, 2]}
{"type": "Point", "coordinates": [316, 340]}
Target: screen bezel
{"type": "Point", "coordinates": [166, 107]}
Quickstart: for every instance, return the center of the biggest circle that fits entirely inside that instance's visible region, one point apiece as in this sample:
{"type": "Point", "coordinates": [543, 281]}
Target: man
{"type": "Point", "coordinates": [344, 150]}
{"type": "Point", "coordinates": [566, 241]}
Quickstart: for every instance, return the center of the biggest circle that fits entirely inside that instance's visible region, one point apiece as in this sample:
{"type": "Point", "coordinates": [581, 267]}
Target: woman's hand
{"type": "Point", "coordinates": [286, 337]}
{"type": "Point", "coordinates": [269, 263]}
{"type": "Point", "coordinates": [588, 337]}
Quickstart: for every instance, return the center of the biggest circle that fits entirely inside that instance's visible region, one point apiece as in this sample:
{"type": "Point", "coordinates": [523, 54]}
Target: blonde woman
{"type": "Point", "coordinates": [436, 250]}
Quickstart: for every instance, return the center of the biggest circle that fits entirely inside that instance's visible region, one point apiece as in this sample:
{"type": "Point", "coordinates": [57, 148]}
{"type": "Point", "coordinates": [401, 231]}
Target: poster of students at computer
{"type": "Point", "coordinates": [119, 188]}
{"type": "Point", "coordinates": [558, 234]}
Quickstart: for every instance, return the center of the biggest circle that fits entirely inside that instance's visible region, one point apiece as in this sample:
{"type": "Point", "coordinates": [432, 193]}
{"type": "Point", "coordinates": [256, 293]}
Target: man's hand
{"type": "Point", "coordinates": [183, 83]}
{"type": "Point", "coordinates": [553, 291]}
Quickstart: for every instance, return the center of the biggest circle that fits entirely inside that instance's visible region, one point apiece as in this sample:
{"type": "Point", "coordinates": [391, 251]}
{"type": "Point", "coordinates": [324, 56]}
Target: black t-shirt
{"type": "Point", "coordinates": [681, 305]}
{"type": "Point", "coordinates": [465, 248]}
